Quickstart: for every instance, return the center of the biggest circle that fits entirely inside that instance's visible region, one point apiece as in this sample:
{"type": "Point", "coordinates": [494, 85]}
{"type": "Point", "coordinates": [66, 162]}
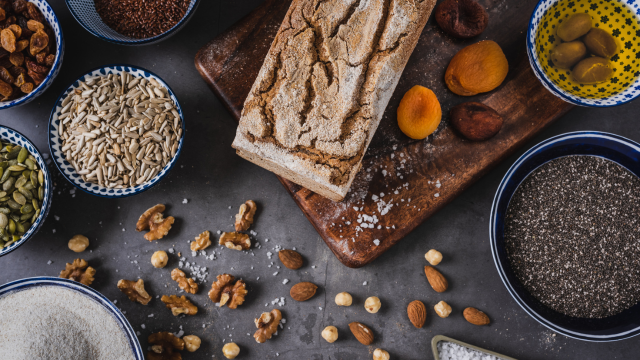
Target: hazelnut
{"type": "Point", "coordinates": [442, 309]}
{"type": "Point", "coordinates": [330, 333]}
{"type": "Point", "coordinates": [230, 350]}
{"type": "Point", "coordinates": [159, 259]}
{"type": "Point", "coordinates": [379, 354]}
{"type": "Point", "coordinates": [476, 121]}
{"type": "Point", "coordinates": [372, 304]}
{"type": "Point", "coordinates": [461, 18]}
{"type": "Point", "coordinates": [433, 256]}
{"type": "Point", "coordinates": [191, 342]}
{"type": "Point", "coordinates": [344, 299]}
{"type": "Point", "coordinates": [78, 243]}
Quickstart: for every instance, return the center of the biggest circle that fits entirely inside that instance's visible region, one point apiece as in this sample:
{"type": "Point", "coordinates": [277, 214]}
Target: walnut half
{"type": "Point", "coordinates": [244, 218]}
{"type": "Point", "coordinates": [189, 285]}
{"type": "Point", "coordinates": [235, 241]}
{"type": "Point", "coordinates": [267, 325]}
{"type": "Point", "coordinates": [153, 220]}
{"type": "Point", "coordinates": [224, 292]}
{"type": "Point", "coordinates": [163, 346]}
{"type": "Point", "coordinates": [79, 271]}
{"type": "Point", "coordinates": [135, 291]}
{"type": "Point", "coordinates": [179, 305]}
{"type": "Point", "coordinates": [202, 242]}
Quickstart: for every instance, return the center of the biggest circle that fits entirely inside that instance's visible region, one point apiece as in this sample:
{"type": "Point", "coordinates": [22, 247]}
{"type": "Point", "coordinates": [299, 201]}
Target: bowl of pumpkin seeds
{"type": "Point", "coordinates": [25, 190]}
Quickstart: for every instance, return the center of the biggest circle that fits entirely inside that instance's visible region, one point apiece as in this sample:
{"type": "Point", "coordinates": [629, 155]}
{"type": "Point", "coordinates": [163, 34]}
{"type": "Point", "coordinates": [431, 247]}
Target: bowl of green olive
{"type": "Point", "coordinates": [25, 190]}
{"type": "Point", "coordinates": [587, 52]}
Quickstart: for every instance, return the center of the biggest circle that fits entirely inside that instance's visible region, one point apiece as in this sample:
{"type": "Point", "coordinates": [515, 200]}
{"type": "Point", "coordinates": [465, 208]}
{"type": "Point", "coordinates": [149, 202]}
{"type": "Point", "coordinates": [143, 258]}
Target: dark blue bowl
{"type": "Point", "coordinates": [609, 146]}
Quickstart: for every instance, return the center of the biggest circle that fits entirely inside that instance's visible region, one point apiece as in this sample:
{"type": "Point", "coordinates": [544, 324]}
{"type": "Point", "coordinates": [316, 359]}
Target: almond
{"type": "Point", "coordinates": [417, 313]}
{"type": "Point", "coordinates": [303, 291]}
{"type": "Point", "coordinates": [436, 280]}
{"type": "Point", "coordinates": [291, 259]}
{"type": "Point", "coordinates": [475, 316]}
{"type": "Point", "coordinates": [362, 333]}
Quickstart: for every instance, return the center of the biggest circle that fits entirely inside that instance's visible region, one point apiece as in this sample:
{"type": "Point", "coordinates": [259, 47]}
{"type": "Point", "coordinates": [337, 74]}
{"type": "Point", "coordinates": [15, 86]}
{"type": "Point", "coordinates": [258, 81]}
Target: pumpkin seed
{"type": "Point", "coordinates": [41, 193]}
{"type": "Point", "coordinates": [30, 164]}
{"type": "Point", "coordinates": [5, 211]}
{"type": "Point", "coordinates": [35, 204]}
{"type": "Point", "coordinates": [34, 178]}
{"type": "Point", "coordinates": [27, 216]}
{"type": "Point", "coordinates": [16, 167]}
{"type": "Point", "coordinates": [11, 228]}
{"type": "Point", "coordinates": [8, 184]}
{"type": "Point", "coordinates": [4, 221]}
{"type": "Point", "coordinates": [41, 177]}
{"type": "Point", "coordinates": [5, 176]}
{"type": "Point", "coordinates": [21, 181]}
{"type": "Point", "coordinates": [35, 216]}
{"type": "Point", "coordinates": [26, 193]}
{"type": "Point", "coordinates": [22, 155]}
{"type": "Point", "coordinates": [3, 194]}
{"type": "Point", "coordinates": [4, 164]}
{"type": "Point", "coordinates": [20, 228]}
{"type": "Point", "coordinates": [13, 153]}
{"type": "Point", "coordinates": [19, 198]}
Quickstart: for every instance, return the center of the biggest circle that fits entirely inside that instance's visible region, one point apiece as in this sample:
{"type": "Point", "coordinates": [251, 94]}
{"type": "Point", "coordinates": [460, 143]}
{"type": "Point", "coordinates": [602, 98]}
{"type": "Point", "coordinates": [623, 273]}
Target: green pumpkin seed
{"type": "Point", "coordinates": [15, 216]}
{"type": "Point", "coordinates": [14, 205]}
{"type": "Point", "coordinates": [34, 178]}
{"type": "Point", "coordinates": [5, 210]}
{"type": "Point", "coordinates": [35, 204]}
{"type": "Point", "coordinates": [30, 164]}
{"type": "Point", "coordinates": [26, 217]}
{"type": "Point", "coordinates": [26, 174]}
{"type": "Point", "coordinates": [4, 221]}
{"type": "Point", "coordinates": [3, 194]}
{"type": "Point", "coordinates": [35, 216]}
{"type": "Point", "coordinates": [15, 238]}
{"type": "Point", "coordinates": [12, 226]}
{"type": "Point", "coordinates": [5, 176]}
{"type": "Point", "coordinates": [8, 184]}
{"type": "Point", "coordinates": [20, 228]}
{"type": "Point", "coordinates": [4, 164]}
{"type": "Point", "coordinates": [41, 178]}
{"type": "Point", "coordinates": [19, 198]}
{"type": "Point", "coordinates": [4, 199]}
{"type": "Point", "coordinates": [13, 152]}
{"type": "Point", "coordinates": [16, 167]}
{"type": "Point", "coordinates": [26, 193]}
{"type": "Point", "coordinates": [20, 182]}
{"type": "Point", "coordinates": [26, 209]}
{"type": "Point", "coordinates": [22, 155]}
{"type": "Point", "coordinates": [41, 193]}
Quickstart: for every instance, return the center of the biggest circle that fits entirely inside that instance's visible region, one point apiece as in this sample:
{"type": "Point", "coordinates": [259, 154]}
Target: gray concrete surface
{"type": "Point", "coordinates": [212, 178]}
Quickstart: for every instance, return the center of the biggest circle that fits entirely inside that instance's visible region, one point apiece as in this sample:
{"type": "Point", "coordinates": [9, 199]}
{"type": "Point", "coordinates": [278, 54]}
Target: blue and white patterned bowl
{"type": "Point", "coordinates": [84, 11]}
{"type": "Point", "coordinates": [616, 148]}
{"type": "Point", "coordinates": [24, 284]}
{"type": "Point", "coordinates": [14, 137]}
{"type": "Point", "coordinates": [55, 143]}
{"type": "Point", "coordinates": [630, 30]}
{"type": "Point", "coordinates": [52, 19]}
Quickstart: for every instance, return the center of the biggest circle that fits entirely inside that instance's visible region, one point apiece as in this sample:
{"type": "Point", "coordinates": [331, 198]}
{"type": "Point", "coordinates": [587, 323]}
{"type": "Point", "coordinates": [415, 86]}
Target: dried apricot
{"type": "Point", "coordinates": [477, 68]}
{"type": "Point", "coordinates": [419, 112]}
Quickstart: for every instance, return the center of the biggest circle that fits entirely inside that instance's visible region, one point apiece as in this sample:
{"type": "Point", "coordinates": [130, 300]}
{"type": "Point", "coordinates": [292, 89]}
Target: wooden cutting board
{"type": "Point", "coordinates": [402, 182]}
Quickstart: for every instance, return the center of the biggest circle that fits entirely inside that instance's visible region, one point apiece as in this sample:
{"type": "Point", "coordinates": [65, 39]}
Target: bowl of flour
{"type": "Point", "coordinates": [50, 318]}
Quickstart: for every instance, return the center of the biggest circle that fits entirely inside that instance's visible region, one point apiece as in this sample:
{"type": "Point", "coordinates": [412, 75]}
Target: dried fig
{"type": "Point", "coordinates": [462, 18]}
{"type": "Point", "coordinates": [39, 41]}
{"type": "Point", "coordinates": [476, 121]}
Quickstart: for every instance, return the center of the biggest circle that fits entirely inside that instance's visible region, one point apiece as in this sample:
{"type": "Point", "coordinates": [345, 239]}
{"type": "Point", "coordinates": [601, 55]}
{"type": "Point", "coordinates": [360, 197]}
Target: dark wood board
{"type": "Point", "coordinates": [417, 177]}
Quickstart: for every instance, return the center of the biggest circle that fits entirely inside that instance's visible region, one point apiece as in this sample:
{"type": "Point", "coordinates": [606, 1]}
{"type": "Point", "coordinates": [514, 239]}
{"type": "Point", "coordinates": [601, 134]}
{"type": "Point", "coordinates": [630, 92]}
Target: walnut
{"type": "Point", "coordinates": [154, 221]}
{"type": "Point", "coordinates": [135, 291]}
{"type": "Point", "coordinates": [235, 240]}
{"type": "Point", "coordinates": [189, 285]}
{"type": "Point", "coordinates": [223, 292]}
{"type": "Point", "coordinates": [164, 345]}
{"type": "Point", "coordinates": [79, 271]}
{"type": "Point", "coordinates": [244, 218]}
{"type": "Point", "coordinates": [267, 325]}
{"type": "Point", "coordinates": [202, 242]}
{"type": "Point", "coordinates": [179, 305]}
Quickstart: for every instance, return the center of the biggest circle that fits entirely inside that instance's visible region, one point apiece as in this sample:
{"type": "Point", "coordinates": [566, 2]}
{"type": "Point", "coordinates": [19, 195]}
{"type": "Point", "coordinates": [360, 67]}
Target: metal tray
{"type": "Point", "coordinates": [436, 339]}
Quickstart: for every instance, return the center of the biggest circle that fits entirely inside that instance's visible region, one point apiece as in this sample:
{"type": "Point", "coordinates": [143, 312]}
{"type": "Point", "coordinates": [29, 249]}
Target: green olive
{"type": "Point", "coordinates": [600, 43]}
{"type": "Point", "coordinates": [574, 27]}
{"type": "Point", "coordinates": [568, 54]}
{"type": "Point", "coordinates": [592, 70]}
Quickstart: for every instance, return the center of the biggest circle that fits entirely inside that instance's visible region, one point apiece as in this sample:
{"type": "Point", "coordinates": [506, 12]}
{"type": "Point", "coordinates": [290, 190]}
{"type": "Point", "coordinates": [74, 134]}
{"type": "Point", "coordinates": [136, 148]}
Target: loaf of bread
{"type": "Point", "coordinates": [324, 86]}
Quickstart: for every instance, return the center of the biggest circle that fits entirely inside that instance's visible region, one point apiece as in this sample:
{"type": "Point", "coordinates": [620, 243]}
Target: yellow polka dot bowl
{"type": "Point", "coordinates": [620, 18]}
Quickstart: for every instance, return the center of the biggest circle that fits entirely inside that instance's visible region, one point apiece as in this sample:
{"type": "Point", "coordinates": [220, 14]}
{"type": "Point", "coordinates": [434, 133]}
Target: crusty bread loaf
{"type": "Point", "coordinates": [323, 88]}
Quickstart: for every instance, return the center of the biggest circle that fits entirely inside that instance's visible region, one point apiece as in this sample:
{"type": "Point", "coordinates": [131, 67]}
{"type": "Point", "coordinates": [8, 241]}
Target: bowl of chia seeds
{"type": "Point", "coordinates": [565, 235]}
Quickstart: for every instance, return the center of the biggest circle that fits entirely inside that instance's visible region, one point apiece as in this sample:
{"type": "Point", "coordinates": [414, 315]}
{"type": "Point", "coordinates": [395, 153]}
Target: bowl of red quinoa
{"type": "Point", "coordinates": [132, 22]}
{"type": "Point", "coordinates": [565, 235]}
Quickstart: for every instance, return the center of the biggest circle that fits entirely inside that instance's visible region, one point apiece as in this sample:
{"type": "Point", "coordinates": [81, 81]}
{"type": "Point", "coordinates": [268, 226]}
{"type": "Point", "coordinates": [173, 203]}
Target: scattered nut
{"type": "Point", "coordinates": [475, 316]}
{"type": "Point", "coordinates": [230, 350]}
{"type": "Point", "coordinates": [191, 342]}
{"type": "Point", "coordinates": [379, 354]}
{"type": "Point", "coordinates": [362, 333]}
{"type": "Point", "coordinates": [267, 325]}
{"type": "Point", "coordinates": [462, 18]}
{"type": "Point", "coordinates": [159, 259]}
{"type": "Point", "coordinates": [419, 112]}
{"type": "Point", "coordinates": [79, 271]}
{"type": "Point", "coordinates": [303, 291]}
{"type": "Point", "coordinates": [436, 279]}
{"type": "Point", "coordinates": [417, 313]}
{"type": "Point", "coordinates": [290, 259]}
{"type": "Point", "coordinates": [330, 333]}
{"type": "Point", "coordinates": [344, 299]}
{"type": "Point", "coordinates": [433, 256]}
{"type": "Point", "coordinates": [179, 305]}
{"type": "Point", "coordinates": [478, 68]}
{"type": "Point", "coordinates": [244, 218]}
{"type": "Point", "coordinates": [224, 293]}
{"type": "Point", "coordinates": [235, 240]}
{"type": "Point", "coordinates": [78, 243]}
{"type": "Point", "coordinates": [134, 290]}
{"type": "Point", "coordinates": [189, 285]}
{"type": "Point", "coordinates": [202, 242]}
{"type": "Point", "coordinates": [163, 346]}
{"type": "Point", "coordinates": [372, 304]}
{"type": "Point", "coordinates": [153, 220]}
{"type": "Point", "coordinates": [475, 121]}
{"type": "Point", "coordinates": [442, 309]}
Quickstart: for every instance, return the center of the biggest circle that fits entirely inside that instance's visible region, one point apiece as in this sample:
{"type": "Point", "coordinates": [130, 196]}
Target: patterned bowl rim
{"type": "Point", "coordinates": [46, 204]}
{"type": "Point", "coordinates": [53, 135]}
{"type": "Point", "coordinates": [125, 326]}
{"type": "Point", "coordinates": [56, 64]}
{"type": "Point", "coordinates": [553, 88]}
{"type": "Point", "coordinates": [134, 42]}
{"type": "Point", "coordinates": [628, 143]}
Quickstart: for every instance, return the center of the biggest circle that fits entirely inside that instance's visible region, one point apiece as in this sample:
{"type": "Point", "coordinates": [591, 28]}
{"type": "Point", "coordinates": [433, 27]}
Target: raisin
{"type": "Point", "coordinates": [40, 57]}
{"type": "Point", "coordinates": [22, 44]}
{"type": "Point", "coordinates": [26, 87]}
{"type": "Point", "coordinates": [3, 14]}
{"type": "Point", "coordinates": [17, 70]}
{"type": "Point", "coordinates": [5, 75]}
{"type": "Point", "coordinates": [34, 12]}
{"type": "Point", "coordinates": [8, 40]}
{"type": "Point", "coordinates": [16, 58]}
{"type": "Point", "coordinates": [17, 30]}
{"type": "Point", "coordinates": [19, 80]}
{"type": "Point", "coordinates": [19, 6]}
{"type": "Point", "coordinates": [5, 89]}
{"type": "Point", "coordinates": [50, 60]}
{"type": "Point", "coordinates": [37, 77]}
{"type": "Point", "coordinates": [33, 66]}
{"type": "Point", "coordinates": [39, 41]}
{"type": "Point", "coordinates": [34, 25]}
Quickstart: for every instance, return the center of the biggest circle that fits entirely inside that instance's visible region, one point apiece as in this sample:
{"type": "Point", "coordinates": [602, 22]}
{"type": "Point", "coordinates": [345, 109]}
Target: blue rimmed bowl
{"type": "Point", "coordinates": [9, 135]}
{"type": "Point", "coordinates": [55, 142]}
{"type": "Point", "coordinates": [84, 11]}
{"type": "Point", "coordinates": [24, 284]}
{"type": "Point", "coordinates": [609, 146]}
{"type": "Point", "coordinates": [52, 19]}
{"type": "Point", "coordinates": [621, 18]}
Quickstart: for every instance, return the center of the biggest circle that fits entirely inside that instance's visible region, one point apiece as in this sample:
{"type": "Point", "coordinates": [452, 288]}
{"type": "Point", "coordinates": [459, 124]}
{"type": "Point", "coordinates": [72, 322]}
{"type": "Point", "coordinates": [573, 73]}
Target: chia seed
{"type": "Point", "coordinates": [572, 236]}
